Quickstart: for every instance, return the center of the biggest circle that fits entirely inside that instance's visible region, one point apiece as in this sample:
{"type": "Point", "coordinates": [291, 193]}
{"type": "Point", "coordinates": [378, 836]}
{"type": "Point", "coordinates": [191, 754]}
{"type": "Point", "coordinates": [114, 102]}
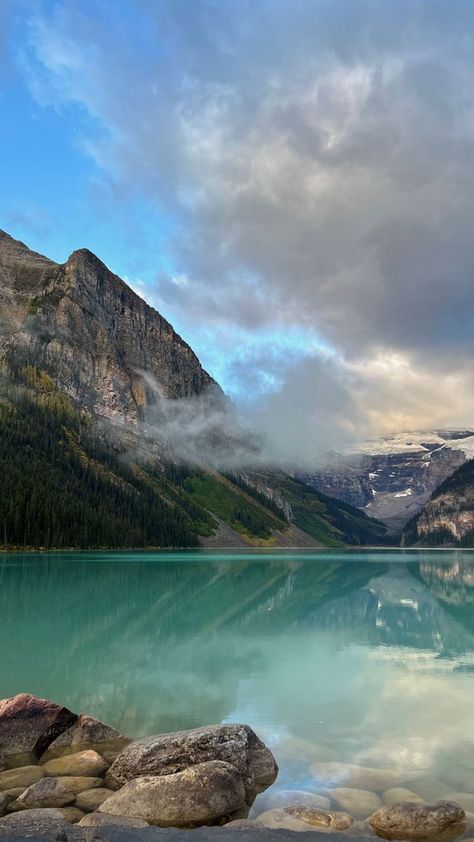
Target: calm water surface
{"type": "Point", "coordinates": [364, 658]}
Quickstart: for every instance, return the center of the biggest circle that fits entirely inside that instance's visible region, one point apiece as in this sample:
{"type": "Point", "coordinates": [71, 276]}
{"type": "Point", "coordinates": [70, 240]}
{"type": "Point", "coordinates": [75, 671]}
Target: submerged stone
{"type": "Point", "coordinates": [290, 797]}
{"type": "Point", "coordinates": [399, 793]}
{"type": "Point", "coordinates": [357, 777]}
{"type": "Point", "coordinates": [321, 818]}
{"type": "Point", "coordinates": [360, 803]}
{"type": "Point", "coordinates": [409, 820]}
{"type": "Point", "coordinates": [203, 794]}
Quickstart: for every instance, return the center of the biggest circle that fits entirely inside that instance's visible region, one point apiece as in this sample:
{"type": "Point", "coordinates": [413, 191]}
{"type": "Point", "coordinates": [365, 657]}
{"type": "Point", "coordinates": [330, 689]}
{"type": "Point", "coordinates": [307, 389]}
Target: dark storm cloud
{"type": "Point", "coordinates": [315, 159]}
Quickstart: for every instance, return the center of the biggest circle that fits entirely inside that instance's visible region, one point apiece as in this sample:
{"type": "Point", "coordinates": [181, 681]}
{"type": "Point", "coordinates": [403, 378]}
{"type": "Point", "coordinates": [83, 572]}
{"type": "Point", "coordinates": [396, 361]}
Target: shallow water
{"type": "Point", "coordinates": [361, 658]}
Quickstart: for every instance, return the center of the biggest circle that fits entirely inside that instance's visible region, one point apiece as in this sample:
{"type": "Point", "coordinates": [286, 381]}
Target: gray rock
{"type": "Point", "coordinates": [409, 820]}
{"type": "Point", "coordinates": [91, 799]}
{"type": "Point", "coordinates": [45, 793]}
{"type": "Point", "coordinates": [360, 803]}
{"type": "Point", "coordinates": [87, 733]}
{"type": "Point", "coordinates": [320, 818]}
{"type": "Point", "coordinates": [4, 801]}
{"type": "Point", "coordinates": [466, 799]}
{"type": "Point", "coordinates": [24, 776]}
{"type": "Point", "coordinates": [32, 822]}
{"type": "Point", "coordinates": [296, 797]}
{"type": "Point", "coordinates": [28, 725]}
{"type": "Point", "coordinates": [85, 763]}
{"type": "Point", "coordinates": [104, 819]}
{"type": "Point", "coordinates": [206, 793]}
{"type": "Point", "coordinates": [170, 753]}
{"type": "Point", "coordinates": [356, 777]}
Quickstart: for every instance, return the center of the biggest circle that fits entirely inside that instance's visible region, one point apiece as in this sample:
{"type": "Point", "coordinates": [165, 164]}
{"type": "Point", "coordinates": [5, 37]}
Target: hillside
{"type": "Point", "coordinates": [447, 519]}
{"type": "Point", "coordinates": [86, 368]}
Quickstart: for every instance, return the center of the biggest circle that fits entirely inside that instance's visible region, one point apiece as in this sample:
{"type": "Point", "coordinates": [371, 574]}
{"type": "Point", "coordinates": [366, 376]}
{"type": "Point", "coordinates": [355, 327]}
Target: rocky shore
{"type": "Point", "coordinates": [67, 776]}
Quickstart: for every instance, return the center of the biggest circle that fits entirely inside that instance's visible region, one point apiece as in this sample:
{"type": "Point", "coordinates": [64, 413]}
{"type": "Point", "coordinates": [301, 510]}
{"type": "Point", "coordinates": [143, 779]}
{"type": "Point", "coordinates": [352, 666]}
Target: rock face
{"type": "Point", "coordinates": [46, 793]}
{"type": "Point", "coordinates": [448, 517]}
{"type": "Point", "coordinates": [81, 311]}
{"type": "Point", "coordinates": [170, 753]}
{"type": "Point", "coordinates": [408, 820]}
{"type": "Point", "coordinates": [391, 479]}
{"type": "Point", "coordinates": [205, 793]}
{"type": "Point", "coordinates": [28, 725]}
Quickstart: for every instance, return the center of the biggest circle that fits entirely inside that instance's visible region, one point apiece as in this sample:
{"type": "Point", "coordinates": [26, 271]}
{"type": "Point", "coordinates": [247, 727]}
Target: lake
{"type": "Point", "coordinates": [360, 658]}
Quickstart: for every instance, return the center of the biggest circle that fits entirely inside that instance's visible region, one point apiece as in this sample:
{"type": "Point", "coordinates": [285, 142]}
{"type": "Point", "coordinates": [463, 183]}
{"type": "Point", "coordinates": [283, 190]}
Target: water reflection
{"type": "Point", "coordinates": [357, 658]}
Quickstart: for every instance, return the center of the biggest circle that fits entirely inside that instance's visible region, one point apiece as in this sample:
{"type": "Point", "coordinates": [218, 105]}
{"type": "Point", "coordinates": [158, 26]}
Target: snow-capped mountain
{"type": "Point", "coordinates": [391, 478]}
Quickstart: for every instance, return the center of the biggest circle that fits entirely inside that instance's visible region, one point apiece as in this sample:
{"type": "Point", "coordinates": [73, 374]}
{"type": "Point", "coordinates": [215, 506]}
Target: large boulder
{"type": "Point", "coordinates": [206, 793]}
{"type": "Point", "coordinates": [87, 733]}
{"type": "Point", "coordinates": [79, 783]}
{"type": "Point", "coordinates": [27, 727]}
{"type": "Point", "coordinates": [85, 763]}
{"type": "Point", "coordinates": [32, 823]}
{"type": "Point", "coordinates": [167, 754]}
{"type": "Point", "coordinates": [47, 792]}
{"type": "Point", "coordinates": [411, 820]}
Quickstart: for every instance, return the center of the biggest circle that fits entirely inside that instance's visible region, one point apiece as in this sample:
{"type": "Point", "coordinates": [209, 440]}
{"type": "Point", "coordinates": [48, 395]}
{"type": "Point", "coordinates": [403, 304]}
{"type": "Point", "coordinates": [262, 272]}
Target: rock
{"type": "Point", "coordinates": [32, 822]}
{"type": "Point", "coordinates": [72, 814]}
{"type": "Point", "coordinates": [295, 797]}
{"type": "Point", "coordinates": [91, 799]}
{"type": "Point", "coordinates": [393, 796]}
{"type": "Point", "coordinates": [22, 777]}
{"type": "Point", "coordinates": [170, 753]}
{"type": "Point", "coordinates": [202, 794]}
{"type": "Point", "coordinates": [14, 792]}
{"type": "Point", "coordinates": [320, 818]}
{"type": "Point", "coordinates": [3, 763]}
{"type": "Point", "coordinates": [87, 733]}
{"type": "Point", "coordinates": [4, 801]}
{"type": "Point", "coordinates": [360, 803]}
{"type": "Point", "coordinates": [104, 819]}
{"type": "Point", "coordinates": [28, 725]}
{"type": "Point", "coordinates": [85, 763]}
{"type": "Point", "coordinates": [79, 783]}
{"type": "Point", "coordinates": [466, 799]}
{"type": "Point", "coordinates": [428, 788]}
{"type": "Point", "coordinates": [279, 819]}
{"type": "Point", "coordinates": [408, 820]}
{"type": "Point", "coordinates": [45, 793]}
{"type": "Point", "coordinates": [243, 824]}
{"type": "Point", "coordinates": [357, 777]}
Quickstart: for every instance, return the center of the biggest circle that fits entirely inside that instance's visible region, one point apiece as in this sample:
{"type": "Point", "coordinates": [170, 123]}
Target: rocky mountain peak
{"type": "Point", "coordinates": [96, 337]}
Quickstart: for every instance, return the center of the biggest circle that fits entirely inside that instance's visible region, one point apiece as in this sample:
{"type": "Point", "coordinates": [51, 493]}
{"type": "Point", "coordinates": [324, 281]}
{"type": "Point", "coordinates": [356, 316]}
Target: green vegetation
{"type": "Point", "coordinates": [62, 486]}
{"type": "Point", "coordinates": [460, 486]}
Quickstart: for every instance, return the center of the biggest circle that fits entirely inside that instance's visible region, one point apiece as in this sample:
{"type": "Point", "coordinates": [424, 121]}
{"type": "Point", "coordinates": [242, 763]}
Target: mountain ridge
{"type": "Point", "coordinates": [89, 372]}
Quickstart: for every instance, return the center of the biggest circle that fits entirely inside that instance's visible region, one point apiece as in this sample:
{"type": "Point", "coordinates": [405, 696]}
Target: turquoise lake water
{"type": "Point", "coordinates": [355, 657]}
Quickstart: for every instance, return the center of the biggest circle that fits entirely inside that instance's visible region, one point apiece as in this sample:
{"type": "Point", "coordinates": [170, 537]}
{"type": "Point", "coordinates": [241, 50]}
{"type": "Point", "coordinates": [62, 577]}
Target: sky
{"type": "Point", "coordinates": [290, 183]}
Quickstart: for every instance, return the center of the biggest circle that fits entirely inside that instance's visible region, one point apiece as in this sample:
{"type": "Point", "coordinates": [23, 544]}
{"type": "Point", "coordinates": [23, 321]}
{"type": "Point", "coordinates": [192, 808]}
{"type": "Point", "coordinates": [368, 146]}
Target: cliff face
{"type": "Point", "coordinates": [104, 346]}
{"type": "Point", "coordinates": [448, 517]}
{"type": "Point", "coordinates": [392, 479]}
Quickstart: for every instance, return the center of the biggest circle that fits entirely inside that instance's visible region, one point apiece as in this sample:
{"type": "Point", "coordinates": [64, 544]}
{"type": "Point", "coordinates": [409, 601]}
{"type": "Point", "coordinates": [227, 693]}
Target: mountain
{"type": "Point", "coordinates": [447, 519]}
{"type": "Point", "coordinates": [99, 399]}
{"type": "Point", "coordinates": [392, 478]}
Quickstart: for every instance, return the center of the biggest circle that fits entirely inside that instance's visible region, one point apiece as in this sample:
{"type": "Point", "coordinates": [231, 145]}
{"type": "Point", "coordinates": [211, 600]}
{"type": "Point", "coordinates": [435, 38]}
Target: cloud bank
{"type": "Point", "coordinates": [312, 162]}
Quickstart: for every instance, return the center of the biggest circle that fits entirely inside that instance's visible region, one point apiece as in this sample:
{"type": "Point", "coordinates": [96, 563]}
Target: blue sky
{"type": "Point", "coordinates": [289, 184]}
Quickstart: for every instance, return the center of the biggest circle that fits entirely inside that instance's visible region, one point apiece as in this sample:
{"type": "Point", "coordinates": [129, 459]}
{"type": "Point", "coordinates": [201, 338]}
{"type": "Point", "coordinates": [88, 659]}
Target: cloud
{"type": "Point", "coordinates": [315, 161]}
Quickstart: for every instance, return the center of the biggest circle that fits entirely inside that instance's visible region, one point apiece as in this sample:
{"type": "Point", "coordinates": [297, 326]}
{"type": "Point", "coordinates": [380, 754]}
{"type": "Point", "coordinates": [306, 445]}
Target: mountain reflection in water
{"type": "Point", "coordinates": [357, 657]}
